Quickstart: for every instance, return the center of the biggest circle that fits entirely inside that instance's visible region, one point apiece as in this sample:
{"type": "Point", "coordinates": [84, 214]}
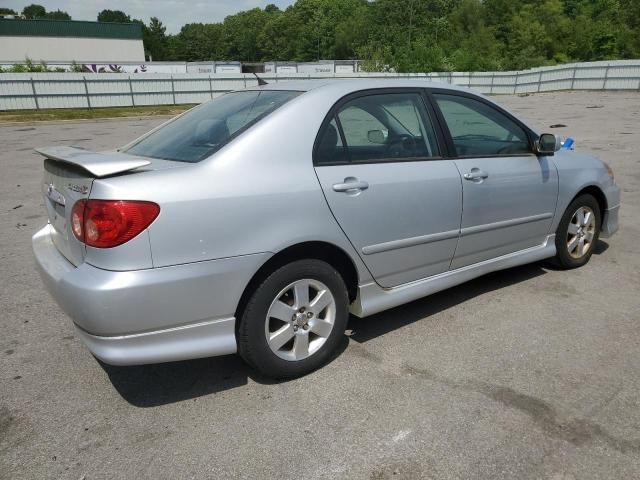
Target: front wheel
{"type": "Point", "coordinates": [578, 232]}
{"type": "Point", "coordinates": [295, 319]}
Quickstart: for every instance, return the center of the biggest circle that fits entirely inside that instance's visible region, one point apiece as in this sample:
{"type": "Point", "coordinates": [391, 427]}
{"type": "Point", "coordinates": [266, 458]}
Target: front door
{"type": "Point", "coordinates": [399, 203]}
{"type": "Point", "coordinates": [509, 193]}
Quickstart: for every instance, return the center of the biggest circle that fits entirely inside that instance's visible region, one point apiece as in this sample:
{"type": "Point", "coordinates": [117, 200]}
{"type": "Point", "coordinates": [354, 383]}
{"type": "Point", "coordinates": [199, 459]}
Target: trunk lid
{"type": "Point", "coordinates": [96, 163]}
{"type": "Point", "coordinates": [69, 173]}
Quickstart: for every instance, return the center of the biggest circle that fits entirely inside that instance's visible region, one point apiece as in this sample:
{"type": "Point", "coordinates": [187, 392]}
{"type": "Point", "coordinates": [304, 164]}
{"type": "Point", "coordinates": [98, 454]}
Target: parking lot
{"type": "Point", "coordinates": [529, 373]}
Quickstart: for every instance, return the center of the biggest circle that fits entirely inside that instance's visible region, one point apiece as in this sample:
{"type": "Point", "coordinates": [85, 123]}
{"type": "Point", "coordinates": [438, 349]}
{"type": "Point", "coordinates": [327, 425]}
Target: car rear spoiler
{"type": "Point", "coordinates": [97, 164]}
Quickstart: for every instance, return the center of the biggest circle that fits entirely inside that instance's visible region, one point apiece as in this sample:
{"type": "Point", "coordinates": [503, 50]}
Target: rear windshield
{"type": "Point", "coordinates": [204, 130]}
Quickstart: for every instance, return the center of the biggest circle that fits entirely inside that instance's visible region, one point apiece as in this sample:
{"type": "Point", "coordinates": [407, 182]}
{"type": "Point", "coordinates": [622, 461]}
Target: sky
{"type": "Point", "coordinates": [172, 13]}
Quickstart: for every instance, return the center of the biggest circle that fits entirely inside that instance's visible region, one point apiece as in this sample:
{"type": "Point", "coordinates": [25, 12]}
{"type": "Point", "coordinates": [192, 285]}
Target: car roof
{"type": "Point", "coordinates": [348, 85]}
{"type": "Point", "coordinates": [332, 89]}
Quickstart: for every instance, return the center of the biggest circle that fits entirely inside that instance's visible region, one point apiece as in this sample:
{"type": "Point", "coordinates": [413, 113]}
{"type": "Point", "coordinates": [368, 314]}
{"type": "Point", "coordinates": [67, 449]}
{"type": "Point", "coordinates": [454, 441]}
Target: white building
{"type": "Point", "coordinates": [61, 41]}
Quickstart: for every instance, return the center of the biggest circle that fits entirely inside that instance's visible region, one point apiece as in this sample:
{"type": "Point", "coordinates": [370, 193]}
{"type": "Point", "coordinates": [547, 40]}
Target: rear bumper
{"type": "Point", "coordinates": [206, 339]}
{"type": "Point", "coordinates": [149, 316]}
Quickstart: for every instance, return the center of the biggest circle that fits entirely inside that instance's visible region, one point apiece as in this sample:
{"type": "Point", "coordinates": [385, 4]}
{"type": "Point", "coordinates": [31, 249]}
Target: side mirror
{"type": "Point", "coordinates": [376, 136]}
{"type": "Point", "coordinates": [548, 144]}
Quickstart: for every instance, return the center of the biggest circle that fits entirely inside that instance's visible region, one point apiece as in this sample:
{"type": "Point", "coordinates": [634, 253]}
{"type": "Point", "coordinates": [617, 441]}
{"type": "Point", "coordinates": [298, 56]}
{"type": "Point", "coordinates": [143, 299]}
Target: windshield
{"type": "Point", "coordinates": [204, 130]}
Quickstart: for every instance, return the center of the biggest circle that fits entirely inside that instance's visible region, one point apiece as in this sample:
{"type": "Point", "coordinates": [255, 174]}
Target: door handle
{"type": "Point", "coordinates": [476, 174]}
{"type": "Point", "coordinates": [350, 185]}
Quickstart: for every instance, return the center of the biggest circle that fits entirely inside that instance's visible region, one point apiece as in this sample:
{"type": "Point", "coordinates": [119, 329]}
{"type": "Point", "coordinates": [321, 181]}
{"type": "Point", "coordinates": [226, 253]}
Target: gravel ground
{"type": "Point", "coordinates": [526, 373]}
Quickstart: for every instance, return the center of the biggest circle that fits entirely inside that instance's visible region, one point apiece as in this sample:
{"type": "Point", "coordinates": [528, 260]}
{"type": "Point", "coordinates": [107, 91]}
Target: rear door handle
{"type": "Point", "coordinates": [476, 174]}
{"type": "Point", "coordinates": [350, 185]}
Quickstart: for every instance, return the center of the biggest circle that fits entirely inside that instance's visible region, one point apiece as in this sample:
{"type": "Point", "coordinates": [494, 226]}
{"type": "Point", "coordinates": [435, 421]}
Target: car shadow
{"type": "Point", "coordinates": [164, 383]}
{"type": "Point", "coordinates": [365, 329]}
{"type": "Point", "coordinates": [147, 386]}
{"type": "Point", "coordinates": [600, 247]}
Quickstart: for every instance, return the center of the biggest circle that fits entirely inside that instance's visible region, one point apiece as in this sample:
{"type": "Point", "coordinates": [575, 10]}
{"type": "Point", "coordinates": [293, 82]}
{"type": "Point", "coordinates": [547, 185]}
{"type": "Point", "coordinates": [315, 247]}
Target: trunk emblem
{"type": "Point", "coordinates": [83, 189]}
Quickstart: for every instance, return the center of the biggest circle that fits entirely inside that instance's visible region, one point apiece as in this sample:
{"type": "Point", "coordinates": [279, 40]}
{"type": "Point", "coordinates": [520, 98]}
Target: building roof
{"type": "Point", "coordinates": [69, 28]}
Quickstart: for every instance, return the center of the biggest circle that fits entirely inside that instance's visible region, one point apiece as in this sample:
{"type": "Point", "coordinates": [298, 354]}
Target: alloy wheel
{"type": "Point", "coordinates": [581, 232]}
{"type": "Point", "coordinates": [300, 319]}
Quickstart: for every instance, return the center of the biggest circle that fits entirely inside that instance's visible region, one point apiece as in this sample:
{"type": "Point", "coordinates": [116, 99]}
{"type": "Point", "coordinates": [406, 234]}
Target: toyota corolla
{"type": "Point", "coordinates": [256, 222]}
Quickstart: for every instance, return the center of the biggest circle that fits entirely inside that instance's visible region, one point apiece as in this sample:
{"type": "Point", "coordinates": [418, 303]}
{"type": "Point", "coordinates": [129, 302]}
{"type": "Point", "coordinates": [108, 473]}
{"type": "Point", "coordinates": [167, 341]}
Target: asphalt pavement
{"type": "Point", "coordinates": [528, 373]}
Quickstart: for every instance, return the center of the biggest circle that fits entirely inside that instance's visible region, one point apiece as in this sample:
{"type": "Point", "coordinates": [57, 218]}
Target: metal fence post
{"type": "Point", "coordinates": [86, 90]}
{"type": "Point", "coordinates": [493, 79]}
{"type": "Point", "coordinates": [606, 76]}
{"type": "Point", "coordinates": [210, 86]}
{"type": "Point", "coordinates": [173, 90]}
{"type": "Point", "coordinates": [515, 84]}
{"type": "Point", "coordinates": [35, 95]}
{"type": "Point", "coordinates": [573, 79]}
{"type": "Point", "coordinates": [539, 81]}
{"type": "Point", "coordinates": [133, 101]}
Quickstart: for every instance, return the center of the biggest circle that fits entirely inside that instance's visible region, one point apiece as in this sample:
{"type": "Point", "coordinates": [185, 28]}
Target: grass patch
{"type": "Point", "coordinates": [90, 113]}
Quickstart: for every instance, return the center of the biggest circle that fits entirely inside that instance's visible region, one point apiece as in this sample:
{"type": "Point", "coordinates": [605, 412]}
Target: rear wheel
{"type": "Point", "coordinates": [293, 322]}
{"type": "Point", "coordinates": [577, 233]}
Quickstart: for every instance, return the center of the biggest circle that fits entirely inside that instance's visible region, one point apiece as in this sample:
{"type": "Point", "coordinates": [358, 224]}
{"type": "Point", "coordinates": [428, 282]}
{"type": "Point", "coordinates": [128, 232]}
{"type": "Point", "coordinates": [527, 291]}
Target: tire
{"type": "Point", "coordinates": [576, 238]}
{"type": "Point", "coordinates": [278, 318]}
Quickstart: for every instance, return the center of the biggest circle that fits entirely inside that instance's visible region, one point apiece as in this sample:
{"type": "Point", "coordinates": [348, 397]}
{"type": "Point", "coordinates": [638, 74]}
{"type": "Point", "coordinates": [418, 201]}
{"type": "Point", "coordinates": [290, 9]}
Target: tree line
{"type": "Point", "coordinates": [407, 35]}
{"type": "Point", "coordinates": [36, 11]}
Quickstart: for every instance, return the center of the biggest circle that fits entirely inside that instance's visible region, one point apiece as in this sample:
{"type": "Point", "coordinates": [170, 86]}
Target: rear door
{"type": "Point", "coordinates": [399, 202]}
{"type": "Point", "coordinates": [509, 193]}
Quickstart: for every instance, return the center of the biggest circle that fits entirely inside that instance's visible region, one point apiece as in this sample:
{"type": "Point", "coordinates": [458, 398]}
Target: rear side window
{"type": "Point", "coordinates": [330, 147]}
{"type": "Point", "coordinates": [204, 130]}
{"type": "Point", "coordinates": [478, 129]}
{"type": "Point", "coordinates": [378, 127]}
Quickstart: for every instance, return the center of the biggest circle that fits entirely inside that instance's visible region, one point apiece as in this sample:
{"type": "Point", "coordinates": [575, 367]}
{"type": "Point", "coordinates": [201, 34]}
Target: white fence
{"type": "Point", "coordinates": [20, 91]}
{"type": "Point", "coordinates": [205, 67]}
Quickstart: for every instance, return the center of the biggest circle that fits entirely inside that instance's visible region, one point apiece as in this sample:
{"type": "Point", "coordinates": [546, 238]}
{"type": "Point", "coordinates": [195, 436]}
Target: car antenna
{"type": "Point", "coordinates": [260, 81]}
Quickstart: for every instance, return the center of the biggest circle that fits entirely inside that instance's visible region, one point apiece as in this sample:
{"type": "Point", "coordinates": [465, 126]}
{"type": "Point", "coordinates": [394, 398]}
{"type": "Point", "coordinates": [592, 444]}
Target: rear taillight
{"type": "Point", "coordinates": [109, 223]}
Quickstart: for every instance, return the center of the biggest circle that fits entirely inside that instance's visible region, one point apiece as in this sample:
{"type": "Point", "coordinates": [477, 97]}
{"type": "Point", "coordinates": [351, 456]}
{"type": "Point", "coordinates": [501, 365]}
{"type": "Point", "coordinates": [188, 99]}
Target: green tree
{"type": "Point", "coordinates": [276, 38]}
{"type": "Point", "coordinates": [240, 35]}
{"type": "Point", "coordinates": [197, 42]}
{"type": "Point", "coordinates": [472, 44]}
{"type": "Point", "coordinates": [407, 35]}
{"type": "Point", "coordinates": [155, 40]}
{"type": "Point", "coordinates": [113, 16]}
{"type": "Point", "coordinates": [316, 27]}
{"type": "Point", "coordinates": [57, 15]}
{"type": "Point", "coordinates": [34, 11]}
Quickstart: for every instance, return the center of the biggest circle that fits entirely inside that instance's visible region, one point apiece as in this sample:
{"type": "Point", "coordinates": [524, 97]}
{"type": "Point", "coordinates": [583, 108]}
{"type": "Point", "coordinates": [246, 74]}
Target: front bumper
{"type": "Point", "coordinates": [610, 222]}
{"type": "Point", "coordinates": [610, 215]}
{"type": "Point", "coordinates": [149, 316]}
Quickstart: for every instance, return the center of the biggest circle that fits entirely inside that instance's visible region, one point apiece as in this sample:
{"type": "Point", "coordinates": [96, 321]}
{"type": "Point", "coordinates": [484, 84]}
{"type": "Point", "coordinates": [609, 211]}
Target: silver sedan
{"type": "Point", "coordinates": [256, 222]}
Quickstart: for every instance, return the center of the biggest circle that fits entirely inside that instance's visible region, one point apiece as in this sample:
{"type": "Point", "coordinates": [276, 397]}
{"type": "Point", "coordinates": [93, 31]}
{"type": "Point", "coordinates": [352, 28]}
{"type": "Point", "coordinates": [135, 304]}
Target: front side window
{"type": "Point", "coordinates": [202, 131]}
{"type": "Point", "coordinates": [380, 127]}
{"type": "Point", "coordinates": [478, 129]}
